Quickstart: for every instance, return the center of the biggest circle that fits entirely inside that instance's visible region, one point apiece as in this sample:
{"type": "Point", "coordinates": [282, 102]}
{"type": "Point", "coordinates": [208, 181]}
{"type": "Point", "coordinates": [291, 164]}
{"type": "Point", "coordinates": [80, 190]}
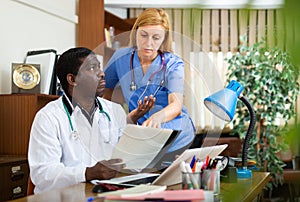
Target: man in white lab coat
{"type": "Point", "coordinates": [72, 138]}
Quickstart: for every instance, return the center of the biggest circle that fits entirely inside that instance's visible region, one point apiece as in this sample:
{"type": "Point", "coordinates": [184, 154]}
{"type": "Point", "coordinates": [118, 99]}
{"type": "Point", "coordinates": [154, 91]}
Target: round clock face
{"type": "Point", "coordinates": [224, 163]}
{"type": "Point", "coordinates": [26, 76]}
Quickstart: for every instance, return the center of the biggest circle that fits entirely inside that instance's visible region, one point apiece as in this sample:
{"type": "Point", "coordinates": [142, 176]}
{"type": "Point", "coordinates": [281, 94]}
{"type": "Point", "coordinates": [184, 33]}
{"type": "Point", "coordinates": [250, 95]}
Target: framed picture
{"type": "Point", "coordinates": [46, 59]}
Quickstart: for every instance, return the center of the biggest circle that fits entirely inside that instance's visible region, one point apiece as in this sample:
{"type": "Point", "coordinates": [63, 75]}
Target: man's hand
{"type": "Point", "coordinates": [143, 107]}
{"type": "Point", "coordinates": [104, 170]}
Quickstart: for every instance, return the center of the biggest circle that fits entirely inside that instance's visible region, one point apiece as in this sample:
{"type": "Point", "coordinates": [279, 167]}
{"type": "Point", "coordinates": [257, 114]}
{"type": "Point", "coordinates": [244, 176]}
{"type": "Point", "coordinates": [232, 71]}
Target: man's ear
{"type": "Point", "coordinates": [71, 79]}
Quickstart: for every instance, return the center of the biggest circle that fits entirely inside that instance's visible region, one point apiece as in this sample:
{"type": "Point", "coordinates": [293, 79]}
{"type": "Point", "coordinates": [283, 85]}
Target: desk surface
{"type": "Point", "coordinates": [245, 190]}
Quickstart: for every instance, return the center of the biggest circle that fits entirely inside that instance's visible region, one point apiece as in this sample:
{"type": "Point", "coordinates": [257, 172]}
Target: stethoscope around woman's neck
{"type": "Point", "coordinates": [133, 86]}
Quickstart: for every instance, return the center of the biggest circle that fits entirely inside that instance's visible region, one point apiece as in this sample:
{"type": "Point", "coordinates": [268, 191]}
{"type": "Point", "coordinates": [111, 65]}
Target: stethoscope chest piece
{"type": "Point", "coordinates": [74, 135]}
{"type": "Point", "coordinates": [133, 86]}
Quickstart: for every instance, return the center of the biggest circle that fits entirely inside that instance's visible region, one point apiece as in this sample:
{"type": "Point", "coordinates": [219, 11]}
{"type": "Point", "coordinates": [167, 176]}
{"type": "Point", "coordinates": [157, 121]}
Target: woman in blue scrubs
{"type": "Point", "coordinates": [148, 69]}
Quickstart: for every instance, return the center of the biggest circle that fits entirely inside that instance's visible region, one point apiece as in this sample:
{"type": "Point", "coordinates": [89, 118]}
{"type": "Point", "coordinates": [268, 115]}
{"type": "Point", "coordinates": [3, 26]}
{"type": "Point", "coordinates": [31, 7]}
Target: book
{"type": "Point", "coordinates": [107, 38]}
{"type": "Point", "coordinates": [166, 195]}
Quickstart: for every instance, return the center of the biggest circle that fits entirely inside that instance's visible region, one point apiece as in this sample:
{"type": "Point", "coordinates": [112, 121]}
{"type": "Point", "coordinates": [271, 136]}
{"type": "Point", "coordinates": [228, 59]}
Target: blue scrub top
{"type": "Point", "coordinates": [117, 72]}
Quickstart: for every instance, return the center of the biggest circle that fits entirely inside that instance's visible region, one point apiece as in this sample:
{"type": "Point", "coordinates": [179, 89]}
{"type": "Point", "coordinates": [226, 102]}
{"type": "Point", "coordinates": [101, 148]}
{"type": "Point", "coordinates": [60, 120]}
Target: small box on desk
{"type": "Point", "coordinates": [14, 171]}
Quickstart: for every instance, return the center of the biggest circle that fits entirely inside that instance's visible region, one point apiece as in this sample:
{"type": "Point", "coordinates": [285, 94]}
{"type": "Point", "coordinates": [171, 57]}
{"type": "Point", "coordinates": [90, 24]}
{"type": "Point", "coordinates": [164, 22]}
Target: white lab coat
{"type": "Point", "coordinates": [56, 158]}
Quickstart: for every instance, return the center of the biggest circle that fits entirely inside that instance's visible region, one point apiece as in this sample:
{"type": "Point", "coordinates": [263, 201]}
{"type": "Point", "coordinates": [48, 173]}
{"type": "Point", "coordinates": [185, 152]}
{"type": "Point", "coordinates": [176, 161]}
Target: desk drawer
{"type": "Point", "coordinates": [13, 192]}
{"type": "Point", "coordinates": [13, 177]}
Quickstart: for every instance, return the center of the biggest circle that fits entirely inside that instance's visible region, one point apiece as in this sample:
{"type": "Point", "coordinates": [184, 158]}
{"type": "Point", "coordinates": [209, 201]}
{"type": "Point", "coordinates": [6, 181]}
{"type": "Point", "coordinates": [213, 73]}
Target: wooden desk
{"type": "Point", "coordinates": [241, 191]}
{"type": "Point", "coordinates": [245, 190]}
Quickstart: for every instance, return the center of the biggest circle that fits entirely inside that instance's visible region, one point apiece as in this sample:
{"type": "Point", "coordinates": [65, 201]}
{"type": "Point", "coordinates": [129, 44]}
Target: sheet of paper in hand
{"type": "Point", "coordinates": [140, 147]}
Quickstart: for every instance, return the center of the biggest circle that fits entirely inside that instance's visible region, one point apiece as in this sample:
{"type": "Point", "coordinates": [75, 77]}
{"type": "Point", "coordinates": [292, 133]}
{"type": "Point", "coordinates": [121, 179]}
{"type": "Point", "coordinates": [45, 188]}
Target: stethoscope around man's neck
{"type": "Point", "coordinates": [74, 132]}
{"type": "Point", "coordinates": [133, 86]}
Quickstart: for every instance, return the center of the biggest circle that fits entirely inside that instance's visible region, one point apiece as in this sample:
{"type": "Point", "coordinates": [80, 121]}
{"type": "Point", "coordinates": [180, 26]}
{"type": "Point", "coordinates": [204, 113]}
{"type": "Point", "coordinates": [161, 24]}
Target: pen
{"type": "Point", "coordinates": [90, 199]}
{"type": "Point", "coordinates": [193, 161]}
{"type": "Point", "coordinates": [184, 172]}
{"type": "Point", "coordinates": [214, 163]}
{"type": "Point", "coordinates": [199, 166]}
{"type": "Point", "coordinates": [209, 165]}
{"type": "Point", "coordinates": [207, 161]}
{"type": "Point", "coordinates": [194, 167]}
{"type": "Point", "coordinates": [194, 181]}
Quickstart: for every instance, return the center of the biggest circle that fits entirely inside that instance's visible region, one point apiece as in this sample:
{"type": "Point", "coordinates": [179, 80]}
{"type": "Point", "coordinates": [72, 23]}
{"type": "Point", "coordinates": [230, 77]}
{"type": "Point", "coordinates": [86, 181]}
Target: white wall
{"type": "Point", "coordinates": [33, 25]}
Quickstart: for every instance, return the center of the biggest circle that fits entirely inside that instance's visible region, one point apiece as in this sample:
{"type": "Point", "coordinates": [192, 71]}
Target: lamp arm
{"type": "Point", "coordinates": [249, 131]}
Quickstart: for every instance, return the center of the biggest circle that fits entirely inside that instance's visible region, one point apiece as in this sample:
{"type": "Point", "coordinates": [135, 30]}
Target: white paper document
{"type": "Point", "coordinates": [138, 146]}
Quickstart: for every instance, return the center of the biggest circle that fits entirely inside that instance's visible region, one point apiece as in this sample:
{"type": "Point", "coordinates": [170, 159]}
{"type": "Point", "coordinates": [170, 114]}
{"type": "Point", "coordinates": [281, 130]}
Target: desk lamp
{"type": "Point", "coordinates": [223, 105]}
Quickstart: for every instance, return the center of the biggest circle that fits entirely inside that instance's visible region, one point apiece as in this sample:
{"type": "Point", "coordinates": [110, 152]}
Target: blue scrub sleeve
{"type": "Point", "coordinates": [175, 77]}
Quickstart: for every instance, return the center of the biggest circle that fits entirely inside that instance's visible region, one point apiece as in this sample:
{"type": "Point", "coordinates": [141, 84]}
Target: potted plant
{"type": "Point", "coordinates": [270, 81]}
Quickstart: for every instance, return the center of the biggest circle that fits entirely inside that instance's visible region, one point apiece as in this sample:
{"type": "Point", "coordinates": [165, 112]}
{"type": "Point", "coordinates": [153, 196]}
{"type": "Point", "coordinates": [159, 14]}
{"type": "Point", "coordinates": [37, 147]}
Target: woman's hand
{"type": "Point", "coordinates": [168, 113]}
{"type": "Point", "coordinates": [155, 120]}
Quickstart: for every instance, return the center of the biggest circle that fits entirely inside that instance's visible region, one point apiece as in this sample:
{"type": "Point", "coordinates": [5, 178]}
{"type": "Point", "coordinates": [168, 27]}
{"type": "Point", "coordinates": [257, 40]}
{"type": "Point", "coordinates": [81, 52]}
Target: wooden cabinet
{"type": "Point", "coordinates": [90, 23]}
{"type": "Point", "coordinates": [14, 173]}
{"type": "Point", "coordinates": [17, 112]}
{"type": "Point", "coordinates": [92, 19]}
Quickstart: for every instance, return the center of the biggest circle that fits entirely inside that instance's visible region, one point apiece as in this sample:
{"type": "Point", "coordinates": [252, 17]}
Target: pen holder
{"type": "Point", "coordinates": [211, 180]}
{"type": "Point", "coordinates": [191, 180]}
